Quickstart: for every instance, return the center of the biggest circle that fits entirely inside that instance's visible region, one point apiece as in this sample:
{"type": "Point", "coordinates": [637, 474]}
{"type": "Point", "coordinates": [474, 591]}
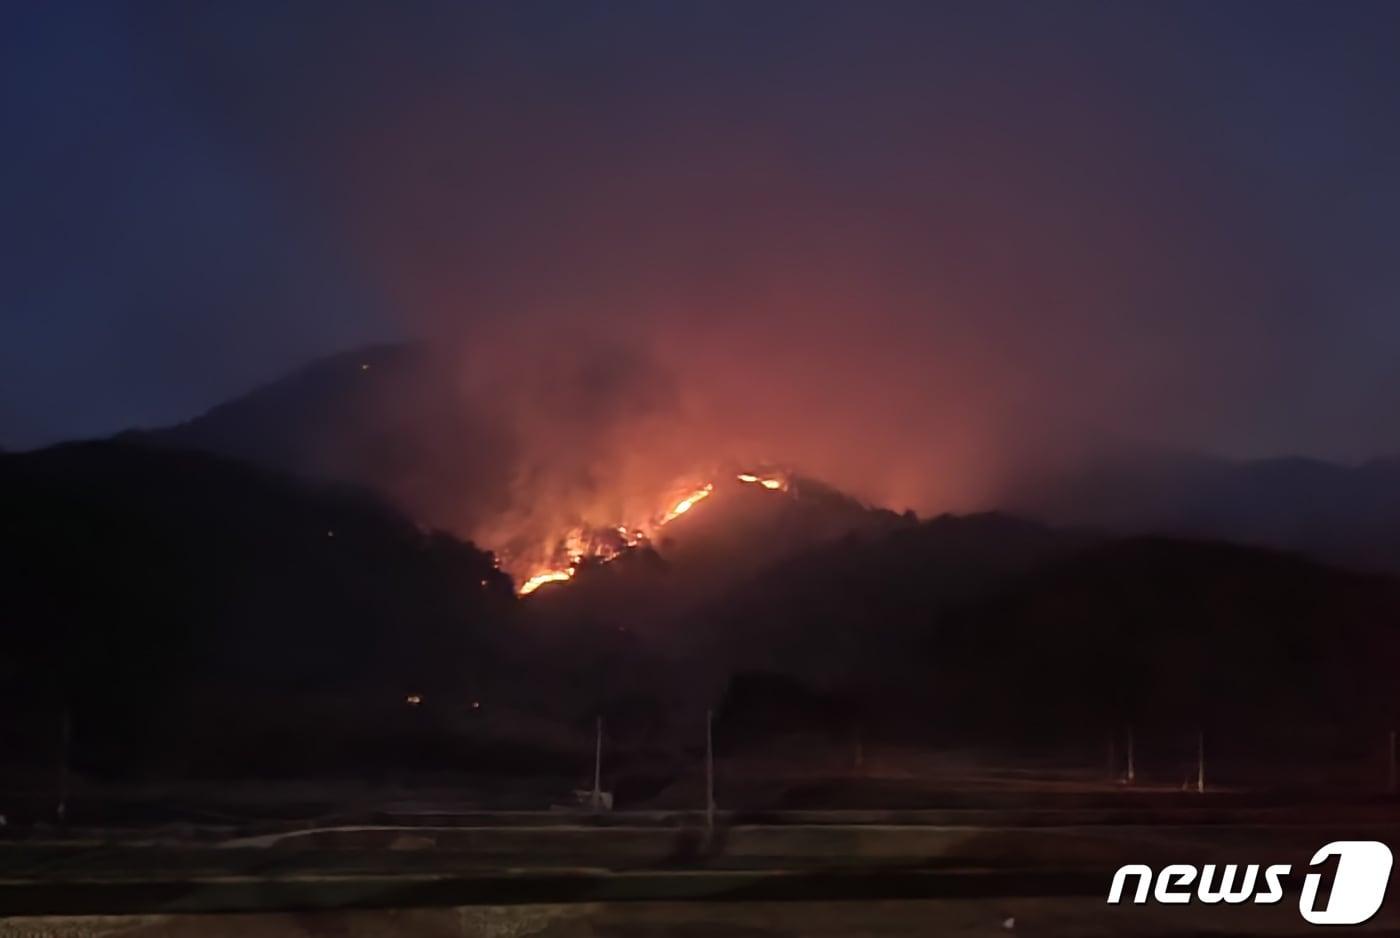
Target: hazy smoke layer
{"type": "Point", "coordinates": [917, 250]}
{"type": "Point", "coordinates": [916, 275]}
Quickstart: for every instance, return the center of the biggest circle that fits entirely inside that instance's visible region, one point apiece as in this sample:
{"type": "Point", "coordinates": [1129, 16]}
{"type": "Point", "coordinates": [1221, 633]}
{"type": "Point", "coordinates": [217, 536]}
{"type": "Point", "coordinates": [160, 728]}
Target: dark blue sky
{"type": "Point", "coordinates": [1172, 220]}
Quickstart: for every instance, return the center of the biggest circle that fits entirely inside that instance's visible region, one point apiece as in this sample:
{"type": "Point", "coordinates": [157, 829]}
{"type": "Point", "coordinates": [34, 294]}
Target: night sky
{"type": "Point", "coordinates": [1173, 221]}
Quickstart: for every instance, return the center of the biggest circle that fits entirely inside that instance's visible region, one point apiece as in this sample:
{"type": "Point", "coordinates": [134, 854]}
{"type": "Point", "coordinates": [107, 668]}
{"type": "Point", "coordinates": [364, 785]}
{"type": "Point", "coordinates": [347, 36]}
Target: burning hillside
{"type": "Point", "coordinates": [582, 545]}
{"type": "Point", "coordinates": [567, 465]}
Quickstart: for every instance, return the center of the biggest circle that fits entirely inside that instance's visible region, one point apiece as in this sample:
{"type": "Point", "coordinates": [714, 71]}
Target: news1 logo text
{"type": "Point", "coordinates": [1358, 883]}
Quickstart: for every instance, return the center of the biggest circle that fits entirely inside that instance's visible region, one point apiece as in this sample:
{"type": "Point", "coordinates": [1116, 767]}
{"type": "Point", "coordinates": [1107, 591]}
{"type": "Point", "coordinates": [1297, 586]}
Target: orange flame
{"type": "Point", "coordinates": [540, 579]}
{"type": "Point", "coordinates": [772, 483]}
{"type": "Point", "coordinates": [687, 503]}
{"type": "Point", "coordinates": [582, 544]}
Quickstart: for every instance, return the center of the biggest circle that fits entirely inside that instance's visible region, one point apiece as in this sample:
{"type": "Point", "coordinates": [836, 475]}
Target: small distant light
{"type": "Point", "coordinates": [476, 705]}
{"type": "Point", "coordinates": [413, 700]}
{"type": "Point", "coordinates": [330, 534]}
{"type": "Point", "coordinates": [483, 582]}
{"type": "Point", "coordinates": [364, 366]}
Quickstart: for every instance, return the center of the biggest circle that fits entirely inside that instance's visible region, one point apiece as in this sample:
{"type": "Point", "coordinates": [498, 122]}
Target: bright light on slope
{"type": "Point", "coordinates": [579, 546]}
{"type": "Point", "coordinates": [540, 579]}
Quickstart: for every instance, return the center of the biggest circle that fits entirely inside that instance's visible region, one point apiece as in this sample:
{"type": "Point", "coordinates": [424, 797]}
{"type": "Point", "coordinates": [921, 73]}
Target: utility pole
{"type": "Point", "coordinates": [1132, 765]}
{"type": "Point", "coordinates": [598, 768]}
{"type": "Point", "coordinates": [709, 772]}
{"type": "Point", "coordinates": [66, 743]}
{"type": "Point", "coordinates": [1200, 762]}
{"type": "Point", "coordinates": [1392, 784]}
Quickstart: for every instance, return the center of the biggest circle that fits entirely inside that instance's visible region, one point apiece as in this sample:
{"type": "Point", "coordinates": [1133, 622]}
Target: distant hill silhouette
{"type": "Point", "coordinates": [1346, 514]}
{"type": "Point", "coordinates": [389, 417]}
{"type": "Point", "coordinates": [386, 417]}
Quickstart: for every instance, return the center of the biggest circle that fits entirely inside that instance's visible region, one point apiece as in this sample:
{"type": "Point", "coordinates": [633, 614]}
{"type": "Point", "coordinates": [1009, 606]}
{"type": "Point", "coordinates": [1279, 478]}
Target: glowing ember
{"type": "Point", "coordinates": [540, 579]}
{"type": "Point", "coordinates": [687, 503]}
{"type": "Point", "coordinates": [772, 483]}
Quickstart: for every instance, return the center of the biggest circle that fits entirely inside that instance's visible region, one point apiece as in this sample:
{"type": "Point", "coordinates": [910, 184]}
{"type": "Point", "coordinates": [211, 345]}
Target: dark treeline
{"type": "Point", "coordinates": [188, 613]}
{"type": "Point", "coordinates": [145, 591]}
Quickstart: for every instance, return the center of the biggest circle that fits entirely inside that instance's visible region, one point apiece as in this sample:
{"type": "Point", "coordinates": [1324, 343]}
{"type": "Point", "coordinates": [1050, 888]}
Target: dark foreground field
{"type": "Point", "coordinates": [1071, 918]}
{"type": "Point", "coordinates": [976, 864]}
